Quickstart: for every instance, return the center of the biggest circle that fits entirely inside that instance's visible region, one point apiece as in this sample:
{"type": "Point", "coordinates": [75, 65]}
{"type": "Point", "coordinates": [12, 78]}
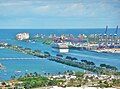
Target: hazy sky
{"type": "Point", "coordinates": [59, 13]}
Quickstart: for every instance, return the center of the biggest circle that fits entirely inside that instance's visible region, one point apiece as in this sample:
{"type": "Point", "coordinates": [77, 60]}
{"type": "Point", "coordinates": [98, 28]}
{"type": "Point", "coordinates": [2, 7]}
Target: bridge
{"type": "Point", "coordinates": [17, 58]}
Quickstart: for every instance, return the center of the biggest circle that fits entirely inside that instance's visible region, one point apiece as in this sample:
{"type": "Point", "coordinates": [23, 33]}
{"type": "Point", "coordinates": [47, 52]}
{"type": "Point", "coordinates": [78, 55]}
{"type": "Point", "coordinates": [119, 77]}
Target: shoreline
{"type": "Point", "coordinates": [113, 51]}
{"type": "Point", "coordinates": [56, 87]}
{"type": "Point", "coordinates": [68, 80]}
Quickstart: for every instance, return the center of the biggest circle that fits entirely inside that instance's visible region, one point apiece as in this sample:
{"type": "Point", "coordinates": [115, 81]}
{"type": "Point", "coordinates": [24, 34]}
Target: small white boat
{"type": "Point", "coordinates": [2, 67]}
{"type": "Point", "coordinates": [1, 47]}
{"type": "Point", "coordinates": [18, 71]}
{"type": "Point", "coordinates": [33, 42]}
{"type": "Point", "coordinates": [26, 70]}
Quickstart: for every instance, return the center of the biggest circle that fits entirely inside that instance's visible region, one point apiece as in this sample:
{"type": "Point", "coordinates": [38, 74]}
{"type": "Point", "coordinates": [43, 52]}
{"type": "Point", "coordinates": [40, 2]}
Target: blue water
{"type": "Point", "coordinates": [46, 66]}
{"type": "Point", "coordinates": [5, 33]}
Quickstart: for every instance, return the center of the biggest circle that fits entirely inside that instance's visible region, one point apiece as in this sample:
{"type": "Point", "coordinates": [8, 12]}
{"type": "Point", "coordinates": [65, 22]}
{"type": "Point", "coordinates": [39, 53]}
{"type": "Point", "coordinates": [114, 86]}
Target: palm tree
{"type": "Point", "coordinates": [102, 65]}
{"type": "Point", "coordinates": [48, 74]}
{"type": "Point", "coordinates": [85, 61]}
{"type": "Point", "coordinates": [101, 84]}
{"type": "Point", "coordinates": [37, 51]}
{"type": "Point", "coordinates": [12, 77]}
{"type": "Point", "coordinates": [27, 86]}
{"type": "Point", "coordinates": [27, 49]}
{"type": "Point", "coordinates": [47, 53]}
{"type": "Point", "coordinates": [35, 74]}
{"type": "Point", "coordinates": [45, 73]}
{"type": "Point", "coordinates": [59, 55]}
{"type": "Point", "coordinates": [59, 73]}
{"type": "Point", "coordinates": [68, 57]}
{"type": "Point", "coordinates": [74, 58]}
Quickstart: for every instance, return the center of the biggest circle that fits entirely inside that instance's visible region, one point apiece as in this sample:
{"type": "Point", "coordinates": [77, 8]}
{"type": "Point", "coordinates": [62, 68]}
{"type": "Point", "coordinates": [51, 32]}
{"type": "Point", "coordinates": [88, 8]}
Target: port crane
{"type": "Point", "coordinates": [115, 36]}
{"type": "Point", "coordinates": [116, 31]}
{"type": "Point", "coordinates": [105, 37]}
{"type": "Point", "coordinates": [106, 30]}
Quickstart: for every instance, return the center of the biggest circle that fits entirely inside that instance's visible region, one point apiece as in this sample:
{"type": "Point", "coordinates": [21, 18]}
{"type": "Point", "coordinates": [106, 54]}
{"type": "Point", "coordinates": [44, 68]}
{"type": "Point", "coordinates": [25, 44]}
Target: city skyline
{"type": "Point", "coordinates": [59, 14]}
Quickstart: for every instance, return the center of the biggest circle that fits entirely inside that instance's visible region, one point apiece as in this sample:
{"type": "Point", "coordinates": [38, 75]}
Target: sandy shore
{"type": "Point", "coordinates": [56, 87]}
{"type": "Point", "coordinates": [113, 50]}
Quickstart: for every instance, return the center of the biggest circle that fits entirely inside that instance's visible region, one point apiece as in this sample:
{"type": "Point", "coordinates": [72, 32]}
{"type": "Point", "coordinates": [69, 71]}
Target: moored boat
{"type": "Point", "coordinates": [62, 47]}
{"type": "Point", "coordinates": [2, 67]}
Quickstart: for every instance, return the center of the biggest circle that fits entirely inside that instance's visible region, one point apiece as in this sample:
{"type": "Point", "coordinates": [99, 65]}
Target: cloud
{"type": "Point", "coordinates": [42, 9]}
{"type": "Point", "coordinates": [75, 8]}
{"type": "Point", "coordinates": [102, 9]}
{"type": "Point", "coordinates": [18, 11]}
{"type": "Point", "coordinates": [60, 10]}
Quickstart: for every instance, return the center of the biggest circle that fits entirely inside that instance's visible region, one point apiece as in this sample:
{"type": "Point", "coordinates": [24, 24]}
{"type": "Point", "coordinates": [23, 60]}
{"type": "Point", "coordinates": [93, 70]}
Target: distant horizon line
{"type": "Point", "coordinates": [56, 28]}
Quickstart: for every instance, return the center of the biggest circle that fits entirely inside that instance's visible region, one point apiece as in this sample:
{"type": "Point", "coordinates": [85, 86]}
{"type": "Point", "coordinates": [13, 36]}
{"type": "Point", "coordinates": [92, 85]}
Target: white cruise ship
{"type": "Point", "coordinates": [61, 47]}
{"type": "Point", "coordinates": [22, 36]}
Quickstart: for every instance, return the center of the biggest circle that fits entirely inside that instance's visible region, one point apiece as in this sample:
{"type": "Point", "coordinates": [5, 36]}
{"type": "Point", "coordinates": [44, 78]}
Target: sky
{"type": "Point", "coordinates": [59, 14]}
